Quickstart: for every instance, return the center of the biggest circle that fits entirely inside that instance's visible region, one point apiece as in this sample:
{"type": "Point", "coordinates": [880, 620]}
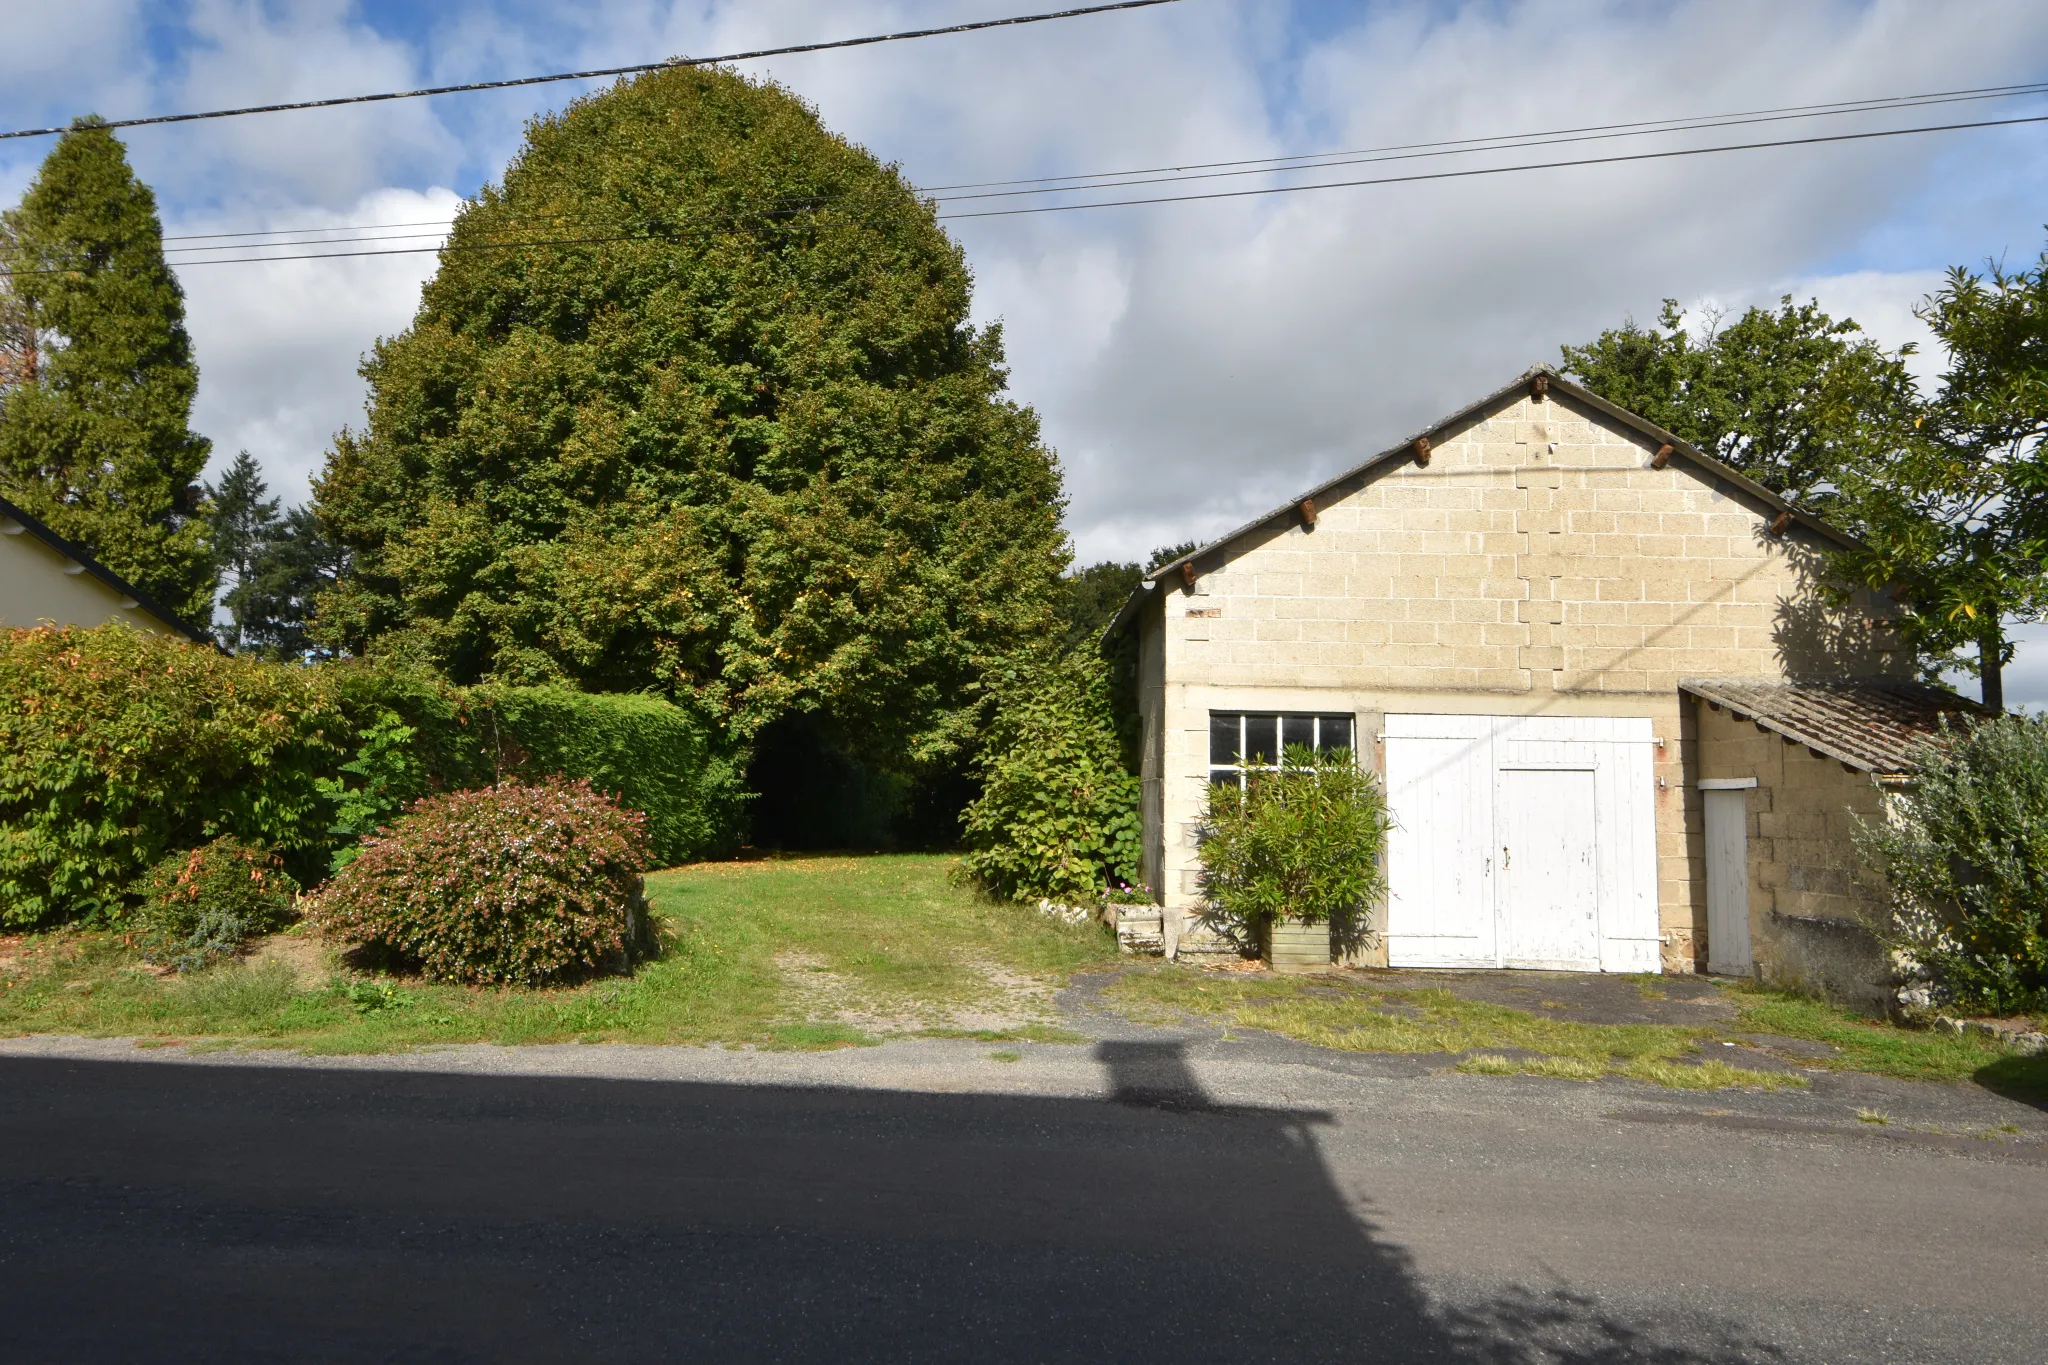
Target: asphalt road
{"type": "Point", "coordinates": [1146, 1197]}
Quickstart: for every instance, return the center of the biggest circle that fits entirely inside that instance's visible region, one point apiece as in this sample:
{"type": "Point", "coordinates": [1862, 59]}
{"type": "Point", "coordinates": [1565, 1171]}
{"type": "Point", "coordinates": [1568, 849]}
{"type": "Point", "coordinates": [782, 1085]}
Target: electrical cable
{"type": "Point", "coordinates": [1305, 161]}
{"type": "Point", "coordinates": [975, 26]}
{"type": "Point", "coordinates": [1177, 199]}
{"type": "Point", "coordinates": [1872, 104]}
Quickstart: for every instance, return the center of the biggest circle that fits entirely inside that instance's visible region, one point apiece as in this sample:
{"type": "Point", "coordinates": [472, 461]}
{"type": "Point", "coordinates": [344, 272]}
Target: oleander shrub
{"type": "Point", "coordinates": [1302, 841]}
{"type": "Point", "coordinates": [119, 747]}
{"type": "Point", "coordinates": [513, 884]}
{"type": "Point", "coordinates": [1057, 818]}
{"type": "Point", "coordinates": [204, 904]}
{"type": "Point", "coordinates": [1964, 856]}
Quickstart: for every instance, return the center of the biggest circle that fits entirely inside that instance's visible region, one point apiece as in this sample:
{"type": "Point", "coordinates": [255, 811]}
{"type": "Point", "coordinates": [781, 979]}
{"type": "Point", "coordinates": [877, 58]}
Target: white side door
{"type": "Point", "coordinates": [1439, 776]}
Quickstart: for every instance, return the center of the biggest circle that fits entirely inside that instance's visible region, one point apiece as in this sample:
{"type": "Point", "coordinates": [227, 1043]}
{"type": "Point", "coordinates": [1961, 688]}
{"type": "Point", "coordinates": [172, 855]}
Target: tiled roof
{"type": "Point", "coordinates": [1871, 726]}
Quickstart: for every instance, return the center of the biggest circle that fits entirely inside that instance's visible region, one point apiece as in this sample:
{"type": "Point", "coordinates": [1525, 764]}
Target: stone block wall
{"type": "Point", "coordinates": [1537, 563]}
{"type": "Point", "coordinates": [1811, 904]}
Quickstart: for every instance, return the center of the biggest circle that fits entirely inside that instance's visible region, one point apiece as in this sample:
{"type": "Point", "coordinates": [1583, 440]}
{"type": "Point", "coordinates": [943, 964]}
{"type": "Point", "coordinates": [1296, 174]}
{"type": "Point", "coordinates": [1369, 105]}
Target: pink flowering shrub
{"type": "Point", "coordinates": [507, 885]}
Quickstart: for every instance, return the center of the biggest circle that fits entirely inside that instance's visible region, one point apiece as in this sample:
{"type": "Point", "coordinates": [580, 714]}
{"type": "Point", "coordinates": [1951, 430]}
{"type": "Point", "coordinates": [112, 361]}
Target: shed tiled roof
{"type": "Point", "coordinates": [1868, 725]}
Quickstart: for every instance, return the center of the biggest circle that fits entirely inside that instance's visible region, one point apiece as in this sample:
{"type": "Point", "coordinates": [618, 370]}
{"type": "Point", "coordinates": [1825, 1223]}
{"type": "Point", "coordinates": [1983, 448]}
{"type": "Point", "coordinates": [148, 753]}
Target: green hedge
{"type": "Point", "coordinates": [119, 748]}
{"type": "Point", "coordinates": [653, 756]}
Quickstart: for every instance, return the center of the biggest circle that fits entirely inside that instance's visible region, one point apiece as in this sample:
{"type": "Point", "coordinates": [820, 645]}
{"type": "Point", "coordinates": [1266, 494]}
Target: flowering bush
{"type": "Point", "coordinates": [505, 885]}
{"type": "Point", "coordinates": [203, 905]}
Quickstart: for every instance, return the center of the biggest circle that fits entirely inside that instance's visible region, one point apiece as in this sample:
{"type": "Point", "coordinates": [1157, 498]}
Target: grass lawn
{"type": "Point", "coordinates": [1338, 1011]}
{"type": "Point", "coordinates": [793, 953]}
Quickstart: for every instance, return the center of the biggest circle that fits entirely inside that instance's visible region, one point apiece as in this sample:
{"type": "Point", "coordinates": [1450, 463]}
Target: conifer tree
{"type": "Point", "coordinates": [94, 421]}
{"type": "Point", "coordinates": [245, 522]}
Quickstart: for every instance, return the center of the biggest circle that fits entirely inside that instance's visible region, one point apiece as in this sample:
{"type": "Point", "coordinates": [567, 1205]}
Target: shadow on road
{"type": "Point", "coordinates": [171, 1212]}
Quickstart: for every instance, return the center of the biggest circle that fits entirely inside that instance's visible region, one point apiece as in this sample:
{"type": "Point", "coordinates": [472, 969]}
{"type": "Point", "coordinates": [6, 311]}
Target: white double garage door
{"type": "Point", "coordinates": [1521, 841]}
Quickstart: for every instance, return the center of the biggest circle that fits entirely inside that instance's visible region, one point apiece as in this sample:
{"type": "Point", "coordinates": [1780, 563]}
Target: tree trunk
{"type": "Point", "coordinates": [1991, 668]}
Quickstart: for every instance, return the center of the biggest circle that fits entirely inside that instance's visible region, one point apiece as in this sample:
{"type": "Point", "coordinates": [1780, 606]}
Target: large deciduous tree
{"type": "Point", "coordinates": [694, 403]}
{"type": "Point", "coordinates": [1788, 397]}
{"type": "Point", "coordinates": [96, 392]}
{"type": "Point", "coordinates": [1957, 518]}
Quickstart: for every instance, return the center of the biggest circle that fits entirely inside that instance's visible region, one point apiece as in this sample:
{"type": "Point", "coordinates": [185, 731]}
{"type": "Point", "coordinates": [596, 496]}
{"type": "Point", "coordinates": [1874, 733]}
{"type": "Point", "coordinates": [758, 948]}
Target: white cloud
{"type": "Point", "coordinates": [1193, 363]}
{"type": "Point", "coordinates": [278, 344]}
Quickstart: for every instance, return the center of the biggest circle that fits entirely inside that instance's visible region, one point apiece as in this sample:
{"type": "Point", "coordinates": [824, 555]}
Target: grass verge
{"type": "Point", "coordinates": [1352, 1015]}
{"type": "Point", "coordinates": [1494, 1040]}
{"type": "Point", "coordinates": [898, 942]}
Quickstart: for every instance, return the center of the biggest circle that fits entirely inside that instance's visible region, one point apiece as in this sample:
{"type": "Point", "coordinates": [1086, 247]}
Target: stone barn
{"type": "Point", "coordinates": [1536, 619]}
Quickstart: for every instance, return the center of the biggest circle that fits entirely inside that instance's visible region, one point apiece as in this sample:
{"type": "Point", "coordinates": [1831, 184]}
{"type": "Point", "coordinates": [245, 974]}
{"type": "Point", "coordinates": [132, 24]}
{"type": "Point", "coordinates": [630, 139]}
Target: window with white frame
{"type": "Point", "coordinates": [1243, 742]}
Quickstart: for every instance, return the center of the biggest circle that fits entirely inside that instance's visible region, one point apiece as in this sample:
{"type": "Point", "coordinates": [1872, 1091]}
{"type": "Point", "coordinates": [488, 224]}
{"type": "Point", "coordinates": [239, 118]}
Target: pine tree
{"type": "Point", "coordinates": [94, 431]}
{"type": "Point", "coordinates": [244, 524]}
{"type": "Point", "coordinates": [273, 606]}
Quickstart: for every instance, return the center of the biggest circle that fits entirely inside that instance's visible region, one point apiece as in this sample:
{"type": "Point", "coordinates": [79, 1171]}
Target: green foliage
{"type": "Point", "coordinates": [506, 885]}
{"type": "Point", "coordinates": [203, 905]}
{"type": "Point", "coordinates": [274, 606]}
{"type": "Point", "coordinates": [1302, 842]}
{"type": "Point", "coordinates": [745, 449]}
{"type": "Point", "coordinates": [653, 756]}
{"type": "Point", "coordinates": [1966, 859]}
{"type": "Point", "coordinates": [94, 428]}
{"type": "Point", "coordinates": [1790, 398]}
{"type": "Point", "coordinates": [1957, 518]}
{"type": "Point", "coordinates": [389, 774]}
{"type": "Point", "coordinates": [1058, 815]}
{"type": "Point", "coordinates": [119, 747]}
{"type": "Point", "coordinates": [1093, 597]}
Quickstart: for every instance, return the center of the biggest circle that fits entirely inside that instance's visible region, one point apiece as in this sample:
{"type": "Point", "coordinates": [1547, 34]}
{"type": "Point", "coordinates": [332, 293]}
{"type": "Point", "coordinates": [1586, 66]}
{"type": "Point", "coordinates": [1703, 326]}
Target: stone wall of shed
{"type": "Point", "coordinates": [1810, 906]}
{"type": "Point", "coordinates": [1537, 564]}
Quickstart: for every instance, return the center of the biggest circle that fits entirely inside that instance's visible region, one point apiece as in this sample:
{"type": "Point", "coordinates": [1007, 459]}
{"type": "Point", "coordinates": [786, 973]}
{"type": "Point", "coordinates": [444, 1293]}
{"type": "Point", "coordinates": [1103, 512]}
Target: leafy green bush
{"type": "Point", "coordinates": [1303, 841]}
{"type": "Point", "coordinates": [118, 747]}
{"type": "Point", "coordinates": [205, 904]}
{"type": "Point", "coordinates": [1057, 817]}
{"type": "Point", "coordinates": [507, 885]}
{"type": "Point", "coordinates": [1965, 856]}
{"type": "Point", "coordinates": [653, 756]}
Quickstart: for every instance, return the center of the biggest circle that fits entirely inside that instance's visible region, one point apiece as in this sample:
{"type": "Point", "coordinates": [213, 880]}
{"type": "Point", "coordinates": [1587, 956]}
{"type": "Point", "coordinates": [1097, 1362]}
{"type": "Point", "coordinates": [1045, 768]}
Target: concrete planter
{"type": "Point", "coordinates": [1292, 946]}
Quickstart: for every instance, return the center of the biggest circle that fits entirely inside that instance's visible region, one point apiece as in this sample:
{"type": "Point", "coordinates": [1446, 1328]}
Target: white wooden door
{"type": "Point", "coordinates": [1439, 776]}
{"type": "Point", "coordinates": [1572, 798]}
{"type": "Point", "coordinates": [1728, 881]}
{"type": "Point", "coordinates": [1549, 892]}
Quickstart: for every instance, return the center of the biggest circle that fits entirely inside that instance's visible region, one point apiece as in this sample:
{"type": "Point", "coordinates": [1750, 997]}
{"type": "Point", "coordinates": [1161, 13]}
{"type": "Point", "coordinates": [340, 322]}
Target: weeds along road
{"type": "Point", "coordinates": [1143, 1197]}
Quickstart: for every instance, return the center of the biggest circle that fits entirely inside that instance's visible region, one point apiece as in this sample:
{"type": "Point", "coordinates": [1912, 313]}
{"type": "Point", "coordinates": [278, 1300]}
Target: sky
{"type": "Point", "coordinates": [1194, 364]}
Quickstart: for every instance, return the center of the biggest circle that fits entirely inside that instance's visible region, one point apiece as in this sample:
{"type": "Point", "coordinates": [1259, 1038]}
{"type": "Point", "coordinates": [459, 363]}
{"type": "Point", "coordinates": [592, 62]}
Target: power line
{"type": "Point", "coordinates": [1873, 104]}
{"type": "Point", "coordinates": [1160, 199]}
{"type": "Point", "coordinates": [1301, 162]}
{"type": "Point", "coordinates": [1498, 170]}
{"type": "Point", "coordinates": [1512, 144]}
{"type": "Point", "coordinates": [948, 30]}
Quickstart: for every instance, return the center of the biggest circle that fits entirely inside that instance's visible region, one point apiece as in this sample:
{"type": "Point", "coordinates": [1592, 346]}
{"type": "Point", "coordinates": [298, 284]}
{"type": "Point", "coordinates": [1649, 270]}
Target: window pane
{"type": "Point", "coordinates": [1223, 736]}
{"type": "Point", "coordinates": [1260, 732]}
{"type": "Point", "coordinates": [1298, 730]}
{"type": "Point", "coordinates": [1226, 777]}
{"type": "Point", "coordinates": [1337, 733]}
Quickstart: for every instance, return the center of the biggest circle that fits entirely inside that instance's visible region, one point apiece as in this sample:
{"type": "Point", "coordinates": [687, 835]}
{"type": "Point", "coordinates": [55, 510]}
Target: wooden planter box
{"type": "Point", "coordinates": [1292, 946]}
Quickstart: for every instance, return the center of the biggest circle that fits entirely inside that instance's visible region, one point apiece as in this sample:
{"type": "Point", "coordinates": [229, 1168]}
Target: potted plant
{"type": "Point", "coordinates": [1291, 861]}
